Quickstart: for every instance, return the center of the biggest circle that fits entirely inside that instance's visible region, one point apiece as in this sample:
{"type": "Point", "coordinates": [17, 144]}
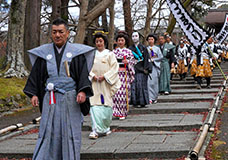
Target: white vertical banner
{"type": "Point", "coordinates": [193, 31]}
{"type": "Point", "coordinates": [221, 36]}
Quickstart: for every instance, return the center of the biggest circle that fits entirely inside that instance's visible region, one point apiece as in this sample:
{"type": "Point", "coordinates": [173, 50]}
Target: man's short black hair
{"type": "Point", "coordinates": [60, 21]}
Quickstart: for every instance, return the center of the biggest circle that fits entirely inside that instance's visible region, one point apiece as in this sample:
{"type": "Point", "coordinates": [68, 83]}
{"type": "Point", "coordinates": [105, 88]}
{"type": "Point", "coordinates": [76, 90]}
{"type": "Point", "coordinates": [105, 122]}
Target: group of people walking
{"type": "Point", "coordinates": [127, 75]}
{"type": "Point", "coordinates": [137, 74]}
{"type": "Point", "coordinates": [70, 80]}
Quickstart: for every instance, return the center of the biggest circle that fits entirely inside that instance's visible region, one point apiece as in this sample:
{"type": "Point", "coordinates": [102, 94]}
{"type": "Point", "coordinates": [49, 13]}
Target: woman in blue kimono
{"type": "Point", "coordinates": [155, 59]}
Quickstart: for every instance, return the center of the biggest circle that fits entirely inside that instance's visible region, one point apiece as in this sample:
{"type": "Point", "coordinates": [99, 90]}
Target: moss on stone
{"type": "Point", "coordinates": [11, 87]}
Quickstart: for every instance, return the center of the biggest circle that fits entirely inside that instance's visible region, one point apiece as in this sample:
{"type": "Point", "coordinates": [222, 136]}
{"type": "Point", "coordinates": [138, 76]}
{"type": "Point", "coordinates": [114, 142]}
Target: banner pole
{"type": "Point", "coordinates": [216, 62]}
{"type": "Point", "coordinates": [125, 66]}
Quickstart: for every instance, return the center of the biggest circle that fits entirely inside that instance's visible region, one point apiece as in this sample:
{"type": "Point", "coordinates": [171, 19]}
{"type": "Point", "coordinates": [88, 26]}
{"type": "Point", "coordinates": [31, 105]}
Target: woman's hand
{"type": "Point", "coordinates": [101, 78]}
{"type": "Point", "coordinates": [95, 78]}
{"type": "Point", "coordinates": [98, 78]}
{"type": "Point", "coordinates": [125, 61]}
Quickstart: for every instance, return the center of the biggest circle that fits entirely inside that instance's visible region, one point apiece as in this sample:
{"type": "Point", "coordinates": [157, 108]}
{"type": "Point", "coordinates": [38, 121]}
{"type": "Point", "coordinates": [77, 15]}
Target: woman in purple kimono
{"type": "Point", "coordinates": [126, 72]}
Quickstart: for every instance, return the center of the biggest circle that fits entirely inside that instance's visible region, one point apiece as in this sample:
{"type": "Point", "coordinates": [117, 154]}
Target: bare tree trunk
{"type": "Point", "coordinates": [111, 26]}
{"type": "Point", "coordinates": [64, 9]}
{"type": "Point", "coordinates": [81, 29]}
{"type": "Point", "coordinates": [15, 40]}
{"type": "Point", "coordinates": [127, 19]}
{"type": "Point", "coordinates": [95, 24]}
{"type": "Point", "coordinates": [104, 22]}
{"type": "Point", "coordinates": [56, 10]}
{"type": "Point", "coordinates": [86, 18]}
{"type": "Point", "coordinates": [56, 13]}
{"type": "Point", "coordinates": [148, 20]}
{"type": "Point", "coordinates": [32, 28]}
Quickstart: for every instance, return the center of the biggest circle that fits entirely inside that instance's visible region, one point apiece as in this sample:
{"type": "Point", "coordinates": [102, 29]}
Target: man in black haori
{"type": "Point", "coordinates": [139, 91]}
{"type": "Point", "coordinates": [59, 84]}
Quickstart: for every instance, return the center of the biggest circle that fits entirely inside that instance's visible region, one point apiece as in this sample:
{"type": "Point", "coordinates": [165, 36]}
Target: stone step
{"type": "Point", "coordinates": [137, 145]}
{"type": "Point", "coordinates": [153, 122]}
{"type": "Point", "coordinates": [194, 91]}
{"type": "Point", "coordinates": [165, 108]}
{"type": "Point", "coordinates": [191, 78]}
{"type": "Point", "coordinates": [184, 86]}
{"type": "Point", "coordinates": [185, 97]}
{"type": "Point", "coordinates": [193, 82]}
{"type": "Point", "coordinates": [188, 76]}
{"type": "Point", "coordinates": [118, 145]}
{"type": "Point", "coordinates": [219, 72]}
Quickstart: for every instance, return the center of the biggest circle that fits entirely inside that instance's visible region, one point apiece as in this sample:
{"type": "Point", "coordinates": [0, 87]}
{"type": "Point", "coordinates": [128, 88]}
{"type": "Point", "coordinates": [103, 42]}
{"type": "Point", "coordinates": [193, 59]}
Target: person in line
{"type": "Point", "coordinates": [204, 69]}
{"type": "Point", "coordinates": [173, 70]}
{"type": "Point", "coordinates": [139, 90]}
{"type": "Point", "coordinates": [126, 72]}
{"type": "Point", "coordinates": [193, 64]}
{"type": "Point", "coordinates": [105, 83]}
{"type": "Point", "coordinates": [59, 84]}
{"type": "Point", "coordinates": [155, 60]}
{"type": "Point", "coordinates": [190, 50]}
{"type": "Point", "coordinates": [182, 60]}
{"type": "Point", "coordinates": [168, 52]}
{"type": "Point", "coordinates": [169, 40]}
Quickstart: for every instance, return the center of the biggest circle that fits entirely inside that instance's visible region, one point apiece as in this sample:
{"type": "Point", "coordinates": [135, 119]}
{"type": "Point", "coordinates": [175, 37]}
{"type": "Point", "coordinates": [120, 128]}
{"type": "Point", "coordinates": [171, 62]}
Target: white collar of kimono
{"type": "Point", "coordinates": [121, 49]}
{"type": "Point", "coordinates": [151, 47]}
{"type": "Point", "coordinates": [59, 49]}
{"type": "Point", "coordinates": [102, 53]}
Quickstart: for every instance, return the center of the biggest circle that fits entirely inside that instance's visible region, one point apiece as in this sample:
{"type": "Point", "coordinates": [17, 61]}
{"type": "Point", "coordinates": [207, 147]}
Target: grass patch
{"type": "Point", "coordinates": [11, 87]}
{"type": "Point", "coordinates": [217, 154]}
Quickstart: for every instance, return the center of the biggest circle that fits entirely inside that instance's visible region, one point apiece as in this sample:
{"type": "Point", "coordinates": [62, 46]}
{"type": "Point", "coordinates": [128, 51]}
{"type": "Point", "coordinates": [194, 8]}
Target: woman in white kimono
{"type": "Point", "coordinates": [105, 83]}
{"type": "Point", "coordinates": [155, 58]}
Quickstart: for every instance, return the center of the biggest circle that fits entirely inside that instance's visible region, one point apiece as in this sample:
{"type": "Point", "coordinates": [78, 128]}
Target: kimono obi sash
{"type": "Point", "coordinates": [121, 64]}
{"type": "Point", "coordinates": [60, 84]}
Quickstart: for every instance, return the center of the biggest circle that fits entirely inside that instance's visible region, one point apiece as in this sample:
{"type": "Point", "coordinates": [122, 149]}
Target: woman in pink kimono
{"type": "Point", "coordinates": [126, 73]}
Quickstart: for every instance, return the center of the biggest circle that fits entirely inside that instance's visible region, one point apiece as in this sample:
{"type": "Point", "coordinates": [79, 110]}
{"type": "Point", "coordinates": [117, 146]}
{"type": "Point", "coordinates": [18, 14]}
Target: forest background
{"type": "Point", "coordinates": [25, 24]}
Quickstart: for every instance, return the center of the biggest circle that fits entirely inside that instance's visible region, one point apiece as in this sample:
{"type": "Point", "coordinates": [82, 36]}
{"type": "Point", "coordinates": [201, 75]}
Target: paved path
{"type": "Point", "coordinates": [23, 116]}
{"type": "Point", "coordinates": [166, 130]}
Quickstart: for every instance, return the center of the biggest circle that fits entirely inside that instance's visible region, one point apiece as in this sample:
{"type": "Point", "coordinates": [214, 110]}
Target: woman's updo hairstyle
{"type": "Point", "coordinates": [152, 35]}
{"type": "Point", "coordinates": [123, 34]}
{"type": "Point", "coordinates": [101, 34]}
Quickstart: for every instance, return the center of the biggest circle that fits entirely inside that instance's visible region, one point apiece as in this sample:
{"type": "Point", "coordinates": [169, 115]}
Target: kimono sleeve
{"type": "Point", "coordinates": [80, 74]}
{"type": "Point", "coordinates": [35, 85]}
{"type": "Point", "coordinates": [172, 54]}
{"type": "Point", "coordinates": [147, 64]}
{"type": "Point", "coordinates": [112, 75]}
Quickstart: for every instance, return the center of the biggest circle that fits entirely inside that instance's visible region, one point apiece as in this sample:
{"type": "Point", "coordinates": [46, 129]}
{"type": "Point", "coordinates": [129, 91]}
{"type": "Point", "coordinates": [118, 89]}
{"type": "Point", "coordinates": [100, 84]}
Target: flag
{"type": "Point", "coordinates": [221, 36]}
{"type": "Point", "coordinates": [193, 31]}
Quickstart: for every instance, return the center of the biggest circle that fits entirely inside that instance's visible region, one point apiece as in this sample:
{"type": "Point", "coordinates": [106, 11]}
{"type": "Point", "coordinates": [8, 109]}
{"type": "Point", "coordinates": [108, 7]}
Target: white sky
{"type": "Point", "coordinates": [119, 19]}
